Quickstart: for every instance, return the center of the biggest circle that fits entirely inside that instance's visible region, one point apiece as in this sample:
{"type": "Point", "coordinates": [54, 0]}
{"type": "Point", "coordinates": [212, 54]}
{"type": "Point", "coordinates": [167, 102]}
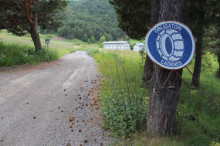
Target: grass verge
{"type": "Point", "coordinates": [122, 97]}
{"type": "Point", "coordinates": [17, 54]}
{"type": "Point", "coordinates": [124, 102]}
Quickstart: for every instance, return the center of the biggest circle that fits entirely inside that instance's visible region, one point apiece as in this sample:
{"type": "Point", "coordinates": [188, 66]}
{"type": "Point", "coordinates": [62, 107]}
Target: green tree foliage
{"type": "Point", "coordinates": [102, 39]}
{"type": "Point", "coordinates": [26, 16]}
{"type": "Point", "coordinates": [93, 39]}
{"type": "Point", "coordinates": [87, 18]}
{"type": "Point", "coordinates": [133, 16]}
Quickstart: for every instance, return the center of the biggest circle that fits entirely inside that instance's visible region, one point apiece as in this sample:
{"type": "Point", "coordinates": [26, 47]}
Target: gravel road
{"type": "Point", "coordinates": [52, 104]}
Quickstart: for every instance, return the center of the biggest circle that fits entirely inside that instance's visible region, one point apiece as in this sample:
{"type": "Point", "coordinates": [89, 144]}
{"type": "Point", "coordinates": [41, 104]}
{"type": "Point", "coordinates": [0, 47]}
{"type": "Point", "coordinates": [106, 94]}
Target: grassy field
{"type": "Point", "coordinates": [124, 102]}
{"type": "Point", "coordinates": [16, 50]}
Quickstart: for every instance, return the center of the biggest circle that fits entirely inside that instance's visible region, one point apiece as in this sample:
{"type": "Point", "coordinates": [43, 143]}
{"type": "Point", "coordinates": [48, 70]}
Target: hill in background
{"type": "Point", "coordinates": [90, 19]}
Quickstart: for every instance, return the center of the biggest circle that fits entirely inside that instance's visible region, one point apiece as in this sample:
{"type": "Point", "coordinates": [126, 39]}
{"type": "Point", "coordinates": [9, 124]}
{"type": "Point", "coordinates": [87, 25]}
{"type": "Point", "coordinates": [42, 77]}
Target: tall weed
{"type": "Point", "coordinates": [124, 102]}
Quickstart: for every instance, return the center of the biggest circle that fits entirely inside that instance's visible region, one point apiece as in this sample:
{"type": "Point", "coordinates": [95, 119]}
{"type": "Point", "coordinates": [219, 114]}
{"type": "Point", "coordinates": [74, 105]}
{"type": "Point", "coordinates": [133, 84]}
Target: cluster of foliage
{"type": "Point", "coordinates": [133, 16]}
{"type": "Point", "coordinates": [25, 16]}
{"type": "Point", "coordinates": [88, 20]}
{"type": "Point", "coordinates": [16, 54]}
{"type": "Point", "coordinates": [124, 101]}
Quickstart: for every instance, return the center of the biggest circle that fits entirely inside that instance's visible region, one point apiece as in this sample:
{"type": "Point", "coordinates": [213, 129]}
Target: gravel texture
{"type": "Point", "coordinates": [52, 104]}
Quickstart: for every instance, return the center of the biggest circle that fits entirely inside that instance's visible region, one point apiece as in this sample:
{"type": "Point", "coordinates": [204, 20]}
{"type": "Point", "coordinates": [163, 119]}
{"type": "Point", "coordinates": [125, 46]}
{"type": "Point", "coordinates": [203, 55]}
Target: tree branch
{"type": "Point", "coordinates": [22, 4]}
{"type": "Point", "coordinates": [10, 7]}
{"type": "Point", "coordinates": [19, 24]}
{"type": "Point", "coordinates": [31, 2]}
{"type": "Point", "coordinates": [27, 12]}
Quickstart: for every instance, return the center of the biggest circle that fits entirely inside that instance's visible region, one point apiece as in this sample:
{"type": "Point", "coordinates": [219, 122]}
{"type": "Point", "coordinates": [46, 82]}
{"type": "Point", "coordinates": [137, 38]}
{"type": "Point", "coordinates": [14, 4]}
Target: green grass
{"type": "Point", "coordinates": [55, 42]}
{"type": "Point", "coordinates": [122, 96]}
{"type": "Point", "coordinates": [16, 50]}
{"type": "Point", "coordinates": [17, 54]}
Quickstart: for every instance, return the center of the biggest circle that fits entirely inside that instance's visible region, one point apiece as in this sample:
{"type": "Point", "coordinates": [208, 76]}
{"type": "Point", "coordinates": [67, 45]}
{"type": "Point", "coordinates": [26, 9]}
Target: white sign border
{"type": "Point", "coordinates": [152, 58]}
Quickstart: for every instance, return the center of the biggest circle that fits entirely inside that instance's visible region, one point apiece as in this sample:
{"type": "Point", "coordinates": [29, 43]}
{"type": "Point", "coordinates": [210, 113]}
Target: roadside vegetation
{"type": "Point", "coordinates": [16, 50]}
{"type": "Point", "coordinates": [17, 54]}
{"type": "Point", "coordinates": [124, 101]}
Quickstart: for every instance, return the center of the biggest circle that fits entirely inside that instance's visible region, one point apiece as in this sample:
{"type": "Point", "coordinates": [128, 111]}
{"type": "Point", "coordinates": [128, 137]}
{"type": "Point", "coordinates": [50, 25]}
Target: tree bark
{"type": "Point", "coordinates": [198, 60]}
{"type": "Point", "coordinates": [149, 66]}
{"type": "Point", "coordinates": [199, 42]}
{"type": "Point", "coordinates": [163, 101]}
{"type": "Point", "coordinates": [35, 35]}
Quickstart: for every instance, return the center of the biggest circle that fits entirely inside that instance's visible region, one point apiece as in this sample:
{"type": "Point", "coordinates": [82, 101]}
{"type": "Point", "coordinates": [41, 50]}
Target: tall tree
{"type": "Point", "coordinates": [25, 16]}
{"type": "Point", "coordinates": [201, 14]}
{"type": "Point", "coordinates": [148, 66]}
{"type": "Point", "coordinates": [163, 101]}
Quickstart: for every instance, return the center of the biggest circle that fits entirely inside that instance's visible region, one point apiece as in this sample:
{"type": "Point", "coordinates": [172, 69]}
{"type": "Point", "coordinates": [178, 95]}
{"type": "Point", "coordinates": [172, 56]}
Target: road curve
{"type": "Point", "coordinates": [52, 105]}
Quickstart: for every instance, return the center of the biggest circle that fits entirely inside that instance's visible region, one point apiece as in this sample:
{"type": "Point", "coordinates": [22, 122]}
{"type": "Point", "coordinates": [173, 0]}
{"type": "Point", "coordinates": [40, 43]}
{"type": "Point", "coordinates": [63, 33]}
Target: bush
{"type": "Point", "coordinates": [209, 63]}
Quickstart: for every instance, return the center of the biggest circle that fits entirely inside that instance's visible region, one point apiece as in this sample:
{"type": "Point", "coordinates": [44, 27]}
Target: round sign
{"type": "Point", "coordinates": [170, 45]}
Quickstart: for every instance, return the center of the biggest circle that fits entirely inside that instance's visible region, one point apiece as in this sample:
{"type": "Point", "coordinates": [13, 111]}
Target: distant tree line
{"type": "Point", "coordinates": [90, 19]}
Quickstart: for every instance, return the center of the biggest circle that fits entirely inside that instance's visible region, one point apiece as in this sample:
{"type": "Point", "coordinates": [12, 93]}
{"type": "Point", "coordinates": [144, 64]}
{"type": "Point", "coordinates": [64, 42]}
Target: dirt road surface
{"type": "Point", "coordinates": [52, 104]}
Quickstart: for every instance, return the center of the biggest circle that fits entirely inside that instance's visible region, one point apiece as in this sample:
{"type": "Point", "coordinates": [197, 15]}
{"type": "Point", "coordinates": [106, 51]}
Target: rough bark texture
{"type": "Point", "coordinates": [149, 66]}
{"type": "Point", "coordinates": [35, 35]}
{"type": "Point", "coordinates": [148, 71]}
{"type": "Point", "coordinates": [198, 61]}
{"type": "Point", "coordinates": [163, 101]}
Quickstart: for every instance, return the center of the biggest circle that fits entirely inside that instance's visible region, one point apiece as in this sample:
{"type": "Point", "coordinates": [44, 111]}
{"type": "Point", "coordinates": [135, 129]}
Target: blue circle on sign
{"type": "Point", "coordinates": [170, 44]}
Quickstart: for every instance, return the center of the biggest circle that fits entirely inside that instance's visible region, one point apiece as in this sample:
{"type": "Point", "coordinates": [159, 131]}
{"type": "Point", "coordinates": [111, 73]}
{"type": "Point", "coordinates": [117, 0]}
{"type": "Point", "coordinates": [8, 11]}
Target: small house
{"type": "Point", "coordinates": [117, 45]}
{"type": "Point", "coordinates": [138, 47]}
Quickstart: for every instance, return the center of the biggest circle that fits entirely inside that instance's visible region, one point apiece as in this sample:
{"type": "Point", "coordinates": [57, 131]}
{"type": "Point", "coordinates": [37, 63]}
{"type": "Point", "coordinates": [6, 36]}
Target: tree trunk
{"type": "Point", "coordinates": [163, 101]}
{"type": "Point", "coordinates": [149, 66]}
{"type": "Point", "coordinates": [35, 35]}
{"type": "Point", "coordinates": [199, 42]}
{"type": "Point", "coordinates": [148, 71]}
{"type": "Point", "coordinates": [218, 55]}
{"type": "Point", "coordinates": [198, 60]}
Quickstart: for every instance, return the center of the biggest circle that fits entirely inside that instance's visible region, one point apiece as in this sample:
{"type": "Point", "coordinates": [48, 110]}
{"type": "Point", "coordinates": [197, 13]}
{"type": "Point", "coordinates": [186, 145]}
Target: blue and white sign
{"type": "Point", "coordinates": [170, 45]}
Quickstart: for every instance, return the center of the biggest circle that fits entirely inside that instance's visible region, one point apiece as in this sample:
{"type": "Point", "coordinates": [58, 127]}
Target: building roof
{"type": "Point", "coordinates": [115, 42]}
{"type": "Point", "coordinates": [139, 44]}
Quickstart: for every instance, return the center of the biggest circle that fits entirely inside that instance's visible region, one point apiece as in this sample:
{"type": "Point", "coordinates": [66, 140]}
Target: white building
{"type": "Point", "coordinates": [138, 46]}
{"type": "Point", "coordinates": [117, 45]}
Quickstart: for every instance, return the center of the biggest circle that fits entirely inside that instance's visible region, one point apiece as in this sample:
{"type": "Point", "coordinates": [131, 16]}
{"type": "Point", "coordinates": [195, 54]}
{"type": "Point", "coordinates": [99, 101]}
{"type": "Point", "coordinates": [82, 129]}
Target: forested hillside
{"type": "Point", "coordinates": [90, 19]}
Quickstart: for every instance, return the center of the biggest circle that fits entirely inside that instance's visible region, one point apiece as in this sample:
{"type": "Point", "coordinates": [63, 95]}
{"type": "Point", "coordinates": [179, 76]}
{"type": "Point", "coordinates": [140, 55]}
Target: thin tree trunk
{"type": "Point", "coordinates": [198, 60]}
{"type": "Point", "coordinates": [218, 55]}
{"type": "Point", "coordinates": [35, 35]}
{"type": "Point", "coordinates": [149, 66]}
{"type": "Point", "coordinates": [199, 42]}
{"type": "Point", "coordinates": [163, 101]}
